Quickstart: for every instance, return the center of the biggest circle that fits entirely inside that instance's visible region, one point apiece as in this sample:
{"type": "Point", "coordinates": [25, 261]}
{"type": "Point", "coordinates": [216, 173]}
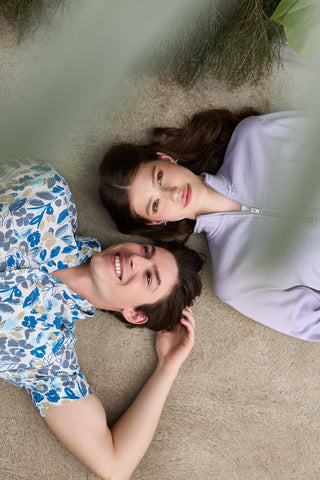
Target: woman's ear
{"type": "Point", "coordinates": [155, 222]}
{"type": "Point", "coordinates": [133, 316]}
{"type": "Point", "coordinates": [164, 156]}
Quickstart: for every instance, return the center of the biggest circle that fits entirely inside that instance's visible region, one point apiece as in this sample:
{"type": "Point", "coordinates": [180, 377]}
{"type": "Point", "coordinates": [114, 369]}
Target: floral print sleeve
{"type": "Point", "coordinates": [37, 237]}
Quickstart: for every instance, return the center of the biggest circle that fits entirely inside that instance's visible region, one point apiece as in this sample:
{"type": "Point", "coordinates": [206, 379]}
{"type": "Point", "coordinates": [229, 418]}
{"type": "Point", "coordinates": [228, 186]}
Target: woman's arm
{"type": "Point", "coordinates": [295, 311]}
{"type": "Point", "coordinates": [114, 453]}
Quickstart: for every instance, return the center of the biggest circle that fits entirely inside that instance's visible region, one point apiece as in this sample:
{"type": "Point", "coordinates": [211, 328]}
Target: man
{"type": "Point", "coordinates": [49, 276]}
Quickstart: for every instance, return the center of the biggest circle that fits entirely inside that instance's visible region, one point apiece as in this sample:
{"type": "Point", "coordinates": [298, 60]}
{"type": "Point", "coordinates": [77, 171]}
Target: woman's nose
{"type": "Point", "coordinates": [172, 193]}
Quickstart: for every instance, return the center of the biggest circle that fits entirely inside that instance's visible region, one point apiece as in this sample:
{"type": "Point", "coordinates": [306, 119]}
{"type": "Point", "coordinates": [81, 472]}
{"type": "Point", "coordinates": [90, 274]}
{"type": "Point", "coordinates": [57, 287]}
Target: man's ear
{"type": "Point", "coordinates": [164, 156]}
{"type": "Point", "coordinates": [133, 316]}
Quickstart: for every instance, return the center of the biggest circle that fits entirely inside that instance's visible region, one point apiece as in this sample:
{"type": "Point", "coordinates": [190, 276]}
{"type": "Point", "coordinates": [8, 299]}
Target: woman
{"type": "Point", "coordinates": [49, 277]}
{"type": "Point", "coordinates": [239, 203]}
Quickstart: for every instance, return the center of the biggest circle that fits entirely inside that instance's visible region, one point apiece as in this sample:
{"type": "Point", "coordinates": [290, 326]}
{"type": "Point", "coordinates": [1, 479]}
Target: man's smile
{"type": "Point", "coordinates": [118, 265]}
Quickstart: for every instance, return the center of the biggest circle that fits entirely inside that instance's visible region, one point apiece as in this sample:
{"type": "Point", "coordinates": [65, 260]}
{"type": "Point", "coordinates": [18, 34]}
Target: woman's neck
{"type": "Point", "coordinates": [213, 202]}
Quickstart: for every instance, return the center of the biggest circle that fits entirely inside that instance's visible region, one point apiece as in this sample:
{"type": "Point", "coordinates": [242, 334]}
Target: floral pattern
{"type": "Point", "coordinates": [37, 237]}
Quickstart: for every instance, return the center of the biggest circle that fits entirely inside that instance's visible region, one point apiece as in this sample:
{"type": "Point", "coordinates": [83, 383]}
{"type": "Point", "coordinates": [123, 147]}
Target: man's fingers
{"type": "Point", "coordinates": [187, 315]}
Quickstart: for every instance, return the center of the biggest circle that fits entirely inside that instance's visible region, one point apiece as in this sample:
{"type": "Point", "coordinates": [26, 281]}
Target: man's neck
{"type": "Point", "coordinates": [76, 278]}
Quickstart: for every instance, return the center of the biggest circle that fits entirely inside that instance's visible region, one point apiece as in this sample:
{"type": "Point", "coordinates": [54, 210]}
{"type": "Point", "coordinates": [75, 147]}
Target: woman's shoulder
{"type": "Point", "coordinates": [271, 121]}
{"type": "Point", "coordinates": [268, 129]}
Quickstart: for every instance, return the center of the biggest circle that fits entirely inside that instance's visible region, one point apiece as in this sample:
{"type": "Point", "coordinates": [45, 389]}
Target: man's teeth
{"type": "Point", "coordinates": [117, 265]}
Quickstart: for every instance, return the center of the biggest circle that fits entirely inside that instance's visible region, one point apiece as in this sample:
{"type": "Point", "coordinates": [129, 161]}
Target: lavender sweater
{"type": "Point", "coordinates": [263, 265]}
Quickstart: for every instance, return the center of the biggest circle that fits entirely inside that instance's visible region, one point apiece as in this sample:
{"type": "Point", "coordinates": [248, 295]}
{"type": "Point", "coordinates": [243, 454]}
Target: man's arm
{"type": "Point", "coordinates": [114, 453]}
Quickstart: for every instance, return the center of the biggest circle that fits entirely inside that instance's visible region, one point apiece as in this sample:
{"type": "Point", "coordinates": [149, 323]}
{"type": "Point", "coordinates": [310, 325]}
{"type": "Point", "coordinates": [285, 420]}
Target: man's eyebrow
{"type": "Point", "coordinates": [150, 199]}
{"type": "Point", "coordinates": [155, 269]}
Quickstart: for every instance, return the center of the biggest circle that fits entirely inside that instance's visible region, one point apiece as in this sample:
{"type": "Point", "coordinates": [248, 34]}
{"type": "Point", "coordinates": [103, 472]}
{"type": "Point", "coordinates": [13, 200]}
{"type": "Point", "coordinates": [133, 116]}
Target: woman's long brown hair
{"type": "Point", "coordinates": [200, 145]}
{"type": "Point", "coordinates": [202, 142]}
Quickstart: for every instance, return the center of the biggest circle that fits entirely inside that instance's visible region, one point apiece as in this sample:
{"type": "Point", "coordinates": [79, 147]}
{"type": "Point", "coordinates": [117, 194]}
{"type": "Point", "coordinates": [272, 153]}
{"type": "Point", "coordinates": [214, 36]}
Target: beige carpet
{"type": "Point", "coordinates": [246, 403]}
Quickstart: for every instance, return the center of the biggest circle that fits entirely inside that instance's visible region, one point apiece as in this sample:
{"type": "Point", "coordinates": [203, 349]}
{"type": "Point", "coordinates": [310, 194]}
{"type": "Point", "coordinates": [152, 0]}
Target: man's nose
{"type": "Point", "coordinates": [138, 262]}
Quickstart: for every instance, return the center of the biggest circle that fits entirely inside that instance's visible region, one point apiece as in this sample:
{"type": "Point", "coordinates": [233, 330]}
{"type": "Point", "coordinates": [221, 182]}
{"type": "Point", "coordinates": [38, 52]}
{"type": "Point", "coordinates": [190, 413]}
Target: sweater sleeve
{"type": "Point", "coordinates": [295, 312]}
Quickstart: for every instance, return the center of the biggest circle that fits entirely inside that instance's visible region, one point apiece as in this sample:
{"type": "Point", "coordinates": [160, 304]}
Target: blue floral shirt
{"type": "Point", "coordinates": [37, 237]}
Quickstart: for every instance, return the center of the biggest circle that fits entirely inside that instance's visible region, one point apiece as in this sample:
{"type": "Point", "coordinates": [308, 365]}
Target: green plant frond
{"type": "Point", "coordinates": [239, 45]}
{"type": "Point", "coordinates": [26, 15]}
{"type": "Point", "coordinates": [237, 41]}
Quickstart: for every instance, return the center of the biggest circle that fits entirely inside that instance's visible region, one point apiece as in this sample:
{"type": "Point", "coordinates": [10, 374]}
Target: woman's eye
{"type": "Point", "coordinates": [159, 177]}
{"type": "Point", "coordinates": [155, 205]}
{"type": "Point", "coordinates": [146, 250]}
{"type": "Point", "coordinates": [149, 278]}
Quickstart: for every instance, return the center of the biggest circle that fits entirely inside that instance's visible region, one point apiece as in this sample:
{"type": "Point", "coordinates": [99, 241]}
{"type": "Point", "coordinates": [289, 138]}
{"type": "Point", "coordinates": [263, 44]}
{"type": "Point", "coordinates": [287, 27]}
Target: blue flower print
{"type": "Point", "coordinates": [39, 352]}
{"type": "Point", "coordinates": [29, 321]}
{"type": "Point", "coordinates": [24, 220]}
{"type": "Point", "coordinates": [44, 371]}
{"type": "Point", "coordinates": [70, 393]}
{"type": "Point", "coordinates": [37, 397]}
{"type": "Point", "coordinates": [17, 205]}
{"type": "Point", "coordinates": [61, 265]}
{"type": "Point", "coordinates": [34, 238]}
{"type": "Point", "coordinates": [37, 311]}
{"type": "Point", "coordinates": [42, 318]}
{"type": "Point", "coordinates": [52, 396]}
{"type": "Point", "coordinates": [50, 304]}
{"type": "Point", "coordinates": [7, 240]}
{"type": "Point", "coordinates": [55, 251]}
{"type": "Point", "coordinates": [57, 322]}
{"type": "Point", "coordinates": [25, 179]}
{"type": "Point", "coordinates": [11, 261]}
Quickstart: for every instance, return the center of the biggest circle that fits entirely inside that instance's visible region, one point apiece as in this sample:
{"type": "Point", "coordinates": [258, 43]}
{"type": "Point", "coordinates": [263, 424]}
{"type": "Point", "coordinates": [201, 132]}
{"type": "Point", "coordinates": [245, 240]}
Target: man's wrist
{"type": "Point", "coordinates": [164, 368]}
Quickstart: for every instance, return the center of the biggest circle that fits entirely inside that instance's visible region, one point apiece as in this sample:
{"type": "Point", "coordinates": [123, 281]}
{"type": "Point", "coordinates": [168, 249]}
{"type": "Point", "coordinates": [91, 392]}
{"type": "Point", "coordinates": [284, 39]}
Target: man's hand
{"type": "Point", "coordinates": [114, 453]}
{"type": "Point", "coordinates": [174, 346]}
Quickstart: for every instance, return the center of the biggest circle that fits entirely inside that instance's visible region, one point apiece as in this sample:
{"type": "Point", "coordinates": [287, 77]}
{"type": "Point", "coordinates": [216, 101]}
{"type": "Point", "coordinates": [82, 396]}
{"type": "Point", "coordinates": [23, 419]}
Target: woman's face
{"type": "Point", "coordinates": [163, 191]}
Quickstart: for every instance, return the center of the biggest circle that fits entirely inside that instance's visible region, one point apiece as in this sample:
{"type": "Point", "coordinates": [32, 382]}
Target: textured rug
{"type": "Point", "coordinates": [245, 405]}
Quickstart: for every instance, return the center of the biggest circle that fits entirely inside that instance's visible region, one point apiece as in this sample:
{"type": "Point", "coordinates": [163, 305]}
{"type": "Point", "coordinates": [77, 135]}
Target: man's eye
{"type": "Point", "coordinates": [155, 205]}
{"type": "Point", "coordinates": [146, 250]}
{"type": "Point", "coordinates": [149, 278]}
{"type": "Point", "coordinates": [159, 177]}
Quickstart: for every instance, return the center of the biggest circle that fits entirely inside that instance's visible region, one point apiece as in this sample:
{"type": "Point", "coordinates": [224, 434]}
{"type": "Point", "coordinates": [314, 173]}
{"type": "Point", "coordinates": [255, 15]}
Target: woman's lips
{"type": "Point", "coordinates": [187, 195]}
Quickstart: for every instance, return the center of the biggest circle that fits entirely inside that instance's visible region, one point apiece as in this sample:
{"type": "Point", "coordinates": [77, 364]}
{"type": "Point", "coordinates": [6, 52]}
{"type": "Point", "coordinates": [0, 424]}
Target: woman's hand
{"type": "Point", "coordinates": [174, 346]}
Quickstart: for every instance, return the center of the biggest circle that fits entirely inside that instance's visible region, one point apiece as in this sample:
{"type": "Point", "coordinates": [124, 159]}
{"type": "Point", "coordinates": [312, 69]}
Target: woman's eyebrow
{"type": "Point", "coordinates": [156, 273]}
{"type": "Point", "coordinates": [153, 251]}
{"type": "Point", "coordinates": [153, 182]}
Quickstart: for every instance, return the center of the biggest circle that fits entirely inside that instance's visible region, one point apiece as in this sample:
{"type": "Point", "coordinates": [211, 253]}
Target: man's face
{"type": "Point", "coordinates": [129, 274]}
